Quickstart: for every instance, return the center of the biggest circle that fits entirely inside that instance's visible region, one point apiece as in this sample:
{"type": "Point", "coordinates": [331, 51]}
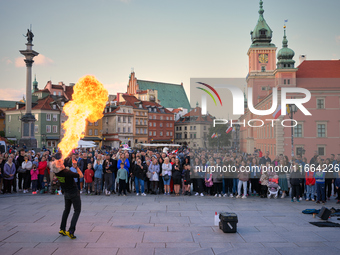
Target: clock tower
{"type": "Point", "coordinates": [262, 59]}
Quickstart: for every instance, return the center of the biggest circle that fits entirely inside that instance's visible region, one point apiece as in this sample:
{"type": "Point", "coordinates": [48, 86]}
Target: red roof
{"type": "Point", "coordinates": [319, 69]}
{"type": "Point", "coordinates": [112, 139]}
{"type": "Point", "coordinates": [69, 92]}
{"type": "Point", "coordinates": [42, 90]}
{"type": "Point", "coordinates": [196, 112]}
{"type": "Point", "coordinates": [57, 86]}
{"type": "Point", "coordinates": [42, 104]}
{"type": "Point", "coordinates": [177, 110]}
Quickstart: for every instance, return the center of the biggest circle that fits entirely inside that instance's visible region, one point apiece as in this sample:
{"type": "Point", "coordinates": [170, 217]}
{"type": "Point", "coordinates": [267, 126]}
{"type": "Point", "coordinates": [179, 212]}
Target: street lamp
{"type": "Point", "coordinates": [293, 110]}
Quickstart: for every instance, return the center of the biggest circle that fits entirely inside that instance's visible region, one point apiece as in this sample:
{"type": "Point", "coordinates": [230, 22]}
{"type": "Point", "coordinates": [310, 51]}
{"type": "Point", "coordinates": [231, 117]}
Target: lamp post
{"type": "Point", "coordinates": [293, 110]}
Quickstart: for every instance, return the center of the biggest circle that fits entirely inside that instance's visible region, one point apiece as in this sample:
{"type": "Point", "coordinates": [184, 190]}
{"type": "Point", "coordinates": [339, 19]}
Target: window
{"type": "Point", "coordinates": [321, 150]}
{"type": "Point", "coordinates": [9, 130]}
{"type": "Point", "coordinates": [96, 123]}
{"type": "Point", "coordinates": [48, 128]}
{"type": "Point", "coordinates": [170, 118]}
{"type": "Point", "coordinates": [185, 128]}
{"type": "Point", "coordinates": [149, 109]}
{"type": "Point", "coordinates": [180, 128]}
{"type": "Point", "coordinates": [298, 130]}
{"type": "Point", "coordinates": [190, 127]}
{"type": "Point", "coordinates": [204, 127]}
{"type": "Point", "coordinates": [90, 123]}
{"type": "Point", "coordinates": [62, 104]}
{"type": "Point", "coordinates": [167, 118]}
{"type": "Point", "coordinates": [36, 129]}
{"type": "Point", "coordinates": [190, 136]}
{"type": "Point", "coordinates": [137, 113]}
{"type": "Point", "coordinates": [171, 134]}
{"type": "Point", "coordinates": [54, 93]}
{"type": "Point", "coordinates": [288, 81]}
{"type": "Point", "coordinates": [140, 106]}
{"type": "Point", "coordinates": [118, 130]}
{"type": "Point", "coordinates": [107, 131]}
{"type": "Point", "coordinates": [118, 118]}
{"type": "Point", "coordinates": [137, 130]}
{"type": "Point", "coordinates": [167, 133]}
{"type": "Point", "coordinates": [154, 117]}
{"type": "Point", "coordinates": [161, 117]}
{"type": "Point", "coordinates": [161, 124]}
{"type": "Point", "coordinates": [145, 131]}
{"type": "Point", "coordinates": [123, 129]}
{"type": "Point", "coordinates": [263, 68]}
{"type": "Point", "coordinates": [136, 121]}
{"type": "Point", "coordinates": [320, 103]}
{"type": "Point", "coordinates": [161, 133]}
{"type": "Point", "coordinates": [48, 117]}
{"type": "Point", "coordinates": [9, 118]}
{"type": "Point", "coordinates": [154, 133]}
{"type": "Point", "coordinates": [123, 110]}
{"type": "Point", "coordinates": [176, 128]}
{"type": "Point", "coordinates": [145, 122]}
{"type": "Point", "coordinates": [321, 130]}
{"type": "Point", "coordinates": [155, 109]}
{"type": "Point", "coordinates": [129, 130]}
{"type": "Point", "coordinates": [55, 117]}
{"type": "Point", "coordinates": [124, 119]}
{"type": "Point", "coordinates": [150, 124]}
{"type": "Point", "coordinates": [36, 116]}
{"type": "Point", "coordinates": [141, 121]}
{"type": "Point", "coordinates": [194, 127]}
{"type": "Point", "coordinates": [18, 129]}
{"type": "Point", "coordinates": [55, 129]}
{"type": "Point", "coordinates": [263, 88]}
{"type": "Point", "coordinates": [170, 124]}
{"type": "Point", "coordinates": [154, 124]}
{"type": "Point", "coordinates": [284, 81]}
{"type": "Point", "coordinates": [129, 120]}
{"type": "Point", "coordinates": [96, 132]}
{"type": "Point", "coordinates": [90, 131]}
{"type": "Point", "coordinates": [167, 124]}
{"type": "Point", "coordinates": [194, 134]}
{"type": "Point", "coordinates": [150, 133]}
{"type": "Point", "coordinates": [106, 120]}
{"type": "Point", "coordinates": [150, 117]}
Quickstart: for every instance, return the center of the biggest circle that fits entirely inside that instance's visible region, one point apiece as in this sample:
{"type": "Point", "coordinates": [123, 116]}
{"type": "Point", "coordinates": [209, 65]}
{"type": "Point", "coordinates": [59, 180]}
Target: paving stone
{"type": "Point", "coordinates": [152, 228]}
{"type": "Point", "coordinates": [167, 220]}
{"type": "Point", "coordinates": [245, 251]}
{"type": "Point", "coordinates": [224, 245]}
{"type": "Point", "coordinates": [33, 237]}
{"type": "Point", "coordinates": [184, 237]}
{"type": "Point", "coordinates": [150, 245]}
{"type": "Point", "coordinates": [20, 245]}
{"type": "Point", "coordinates": [135, 251]}
{"type": "Point", "coordinates": [85, 251]}
{"type": "Point", "coordinates": [36, 251]}
{"type": "Point", "coordinates": [82, 237]}
{"type": "Point", "coordinates": [187, 251]}
{"type": "Point", "coordinates": [308, 250]}
{"type": "Point", "coordinates": [182, 245]}
{"type": "Point", "coordinates": [9, 250]}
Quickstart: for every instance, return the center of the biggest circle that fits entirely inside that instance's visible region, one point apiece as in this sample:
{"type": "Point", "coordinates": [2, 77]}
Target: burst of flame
{"type": "Point", "coordinates": [88, 102]}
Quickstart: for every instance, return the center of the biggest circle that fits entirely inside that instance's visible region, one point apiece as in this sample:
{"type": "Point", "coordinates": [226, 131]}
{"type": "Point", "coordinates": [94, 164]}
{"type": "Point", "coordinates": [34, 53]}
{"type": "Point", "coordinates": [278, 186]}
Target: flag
{"type": "Point", "coordinates": [213, 135]}
{"type": "Point", "coordinates": [277, 113]}
{"type": "Point", "coordinates": [286, 20]}
{"type": "Point", "coordinates": [229, 129]}
{"type": "Point", "coordinates": [288, 109]}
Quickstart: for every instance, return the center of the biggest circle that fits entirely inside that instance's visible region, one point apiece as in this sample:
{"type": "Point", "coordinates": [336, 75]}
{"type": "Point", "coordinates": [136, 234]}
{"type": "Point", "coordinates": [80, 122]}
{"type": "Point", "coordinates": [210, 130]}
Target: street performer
{"type": "Point", "coordinates": [71, 195]}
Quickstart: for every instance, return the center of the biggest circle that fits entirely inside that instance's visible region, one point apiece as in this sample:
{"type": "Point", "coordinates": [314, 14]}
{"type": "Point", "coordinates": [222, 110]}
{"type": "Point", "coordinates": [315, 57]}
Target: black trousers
{"type": "Point", "coordinates": [264, 189]}
{"type": "Point", "coordinates": [71, 199]}
{"type": "Point", "coordinates": [122, 186]}
{"type": "Point", "coordinates": [200, 185]}
{"type": "Point", "coordinates": [296, 191]}
{"type": "Point", "coordinates": [21, 178]}
{"type": "Point", "coordinates": [217, 187]}
{"type": "Point", "coordinates": [328, 187]}
{"type": "Point", "coordinates": [27, 179]}
{"type": "Point", "coordinates": [14, 182]}
{"type": "Point", "coordinates": [7, 186]}
{"type": "Point", "coordinates": [228, 183]}
{"type": "Point", "coordinates": [255, 185]}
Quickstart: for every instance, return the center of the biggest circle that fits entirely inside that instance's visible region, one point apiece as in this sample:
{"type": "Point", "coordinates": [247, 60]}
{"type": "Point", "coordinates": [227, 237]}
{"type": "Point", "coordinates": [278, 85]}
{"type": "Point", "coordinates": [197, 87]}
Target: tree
{"type": "Point", "coordinates": [221, 141]}
{"type": "Point", "coordinates": [2, 133]}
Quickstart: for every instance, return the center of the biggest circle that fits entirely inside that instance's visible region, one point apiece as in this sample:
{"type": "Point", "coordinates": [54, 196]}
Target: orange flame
{"type": "Point", "coordinates": [88, 102]}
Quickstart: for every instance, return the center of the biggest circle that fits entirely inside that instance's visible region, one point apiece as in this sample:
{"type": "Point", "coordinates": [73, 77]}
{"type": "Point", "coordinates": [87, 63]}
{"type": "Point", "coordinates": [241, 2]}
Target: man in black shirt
{"type": "Point", "coordinates": [71, 196]}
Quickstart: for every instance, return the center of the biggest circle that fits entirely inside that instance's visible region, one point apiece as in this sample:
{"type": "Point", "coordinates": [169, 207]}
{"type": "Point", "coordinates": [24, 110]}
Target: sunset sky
{"type": "Point", "coordinates": [168, 40]}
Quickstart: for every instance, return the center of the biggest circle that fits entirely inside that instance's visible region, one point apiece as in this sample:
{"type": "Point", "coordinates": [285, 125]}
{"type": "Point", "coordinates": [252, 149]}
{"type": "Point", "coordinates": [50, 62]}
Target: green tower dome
{"type": "Point", "coordinates": [262, 34]}
{"type": "Point", "coordinates": [35, 84]}
{"type": "Point", "coordinates": [285, 55]}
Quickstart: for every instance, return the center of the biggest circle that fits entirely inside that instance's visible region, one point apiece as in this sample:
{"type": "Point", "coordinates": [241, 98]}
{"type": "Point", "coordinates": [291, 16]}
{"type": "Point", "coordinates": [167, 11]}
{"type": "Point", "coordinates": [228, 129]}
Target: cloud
{"type": "Point", "coordinates": [6, 60]}
{"type": "Point", "coordinates": [114, 88]}
{"type": "Point", "coordinates": [40, 60]}
{"type": "Point", "coordinates": [337, 38]}
{"type": "Point", "coordinates": [12, 94]}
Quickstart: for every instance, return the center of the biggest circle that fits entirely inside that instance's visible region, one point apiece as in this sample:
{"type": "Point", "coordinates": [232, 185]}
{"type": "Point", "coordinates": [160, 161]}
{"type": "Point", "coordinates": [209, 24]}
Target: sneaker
{"type": "Point", "coordinates": [318, 202]}
{"type": "Point", "coordinates": [202, 195]}
{"type": "Point", "coordinates": [323, 202]}
{"type": "Point", "coordinates": [301, 198]}
{"type": "Point", "coordinates": [244, 197]}
{"type": "Point", "coordinates": [298, 200]}
{"type": "Point", "coordinates": [72, 236]}
{"type": "Point", "coordinates": [62, 232]}
{"type": "Point", "coordinates": [313, 199]}
{"type": "Point", "coordinates": [231, 195]}
{"type": "Point", "coordinates": [292, 200]}
{"type": "Point", "coordinates": [219, 195]}
{"type": "Point", "coordinates": [307, 199]}
{"type": "Point", "coordinates": [137, 194]}
{"type": "Point", "coordinates": [20, 190]}
{"type": "Point", "coordinates": [124, 195]}
{"type": "Point", "coordinates": [238, 196]}
{"type": "Point", "coordinates": [88, 192]}
{"type": "Point", "coordinates": [81, 192]}
{"type": "Point", "coordinates": [224, 195]}
{"type": "Point", "coordinates": [196, 194]}
{"type": "Point", "coordinates": [215, 195]}
{"type": "Point", "coordinates": [143, 194]}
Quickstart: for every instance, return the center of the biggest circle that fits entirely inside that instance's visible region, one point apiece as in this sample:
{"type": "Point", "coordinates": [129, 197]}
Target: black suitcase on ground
{"type": "Point", "coordinates": [228, 222]}
{"type": "Point", "coordinates": [324, 213]}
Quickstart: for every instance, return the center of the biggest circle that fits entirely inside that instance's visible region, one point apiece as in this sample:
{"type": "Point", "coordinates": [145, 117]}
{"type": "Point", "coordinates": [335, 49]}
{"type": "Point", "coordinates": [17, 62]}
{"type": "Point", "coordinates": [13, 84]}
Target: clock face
{"type": "Point", "coordinates": [263, 58]}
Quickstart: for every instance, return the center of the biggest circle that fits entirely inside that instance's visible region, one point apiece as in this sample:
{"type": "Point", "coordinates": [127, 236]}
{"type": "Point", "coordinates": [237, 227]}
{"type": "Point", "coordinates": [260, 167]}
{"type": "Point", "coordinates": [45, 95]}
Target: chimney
{"type": "Point", "coordinates": [302, 58]}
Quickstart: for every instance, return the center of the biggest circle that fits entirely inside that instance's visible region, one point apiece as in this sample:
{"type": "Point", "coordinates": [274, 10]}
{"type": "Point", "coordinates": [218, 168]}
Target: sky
{"type": "Point", "coordinates": [162, 40]}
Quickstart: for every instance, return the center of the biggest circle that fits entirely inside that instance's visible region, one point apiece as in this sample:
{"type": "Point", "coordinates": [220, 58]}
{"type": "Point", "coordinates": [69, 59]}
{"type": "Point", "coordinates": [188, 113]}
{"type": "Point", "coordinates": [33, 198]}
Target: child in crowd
{"type": "Point", "coordinates": [310, 184]}
{"type": "Point", "coordinates": [98, 176]}
{"type": "Point", "coordinates": [34, 178]}
{"type": "Point", "coordinates": [208, 181]}
{"type": "Point", "coordinates": [320, 185]}
{"type": "Point", "coordinates": [88, 175]}
{"type": "Point", "coordinates": [122, 178]}
{"type": "Point", "coordinates": [337, 187]}
{"type": "Point", "coordinates": [187, 180]}
{"type": "Point", "coordinates": [296, 181]}
{"type": "Point", "coordinates": [243, 177]}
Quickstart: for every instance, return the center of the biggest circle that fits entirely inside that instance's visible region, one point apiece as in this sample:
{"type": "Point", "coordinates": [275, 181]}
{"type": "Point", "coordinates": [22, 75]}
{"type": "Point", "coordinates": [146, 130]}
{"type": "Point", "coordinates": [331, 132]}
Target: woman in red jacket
{"type": "Point", "coordinates": [41, 168]}
{"type": "Point", "coordinates": [310, 184]}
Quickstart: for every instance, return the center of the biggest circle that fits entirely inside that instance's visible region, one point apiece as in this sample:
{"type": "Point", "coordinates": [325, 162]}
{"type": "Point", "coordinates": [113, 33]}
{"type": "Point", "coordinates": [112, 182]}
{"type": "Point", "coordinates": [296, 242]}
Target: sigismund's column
{"type": "Point", "coordinates": [27, 126]}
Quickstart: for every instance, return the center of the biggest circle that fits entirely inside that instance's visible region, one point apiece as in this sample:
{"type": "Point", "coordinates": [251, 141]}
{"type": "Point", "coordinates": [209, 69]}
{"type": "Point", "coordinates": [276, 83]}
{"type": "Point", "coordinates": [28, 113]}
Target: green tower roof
{"type": "Point", "coordinates": [285, 55]}
{"type": "Point", "coordinates": [261, 36]}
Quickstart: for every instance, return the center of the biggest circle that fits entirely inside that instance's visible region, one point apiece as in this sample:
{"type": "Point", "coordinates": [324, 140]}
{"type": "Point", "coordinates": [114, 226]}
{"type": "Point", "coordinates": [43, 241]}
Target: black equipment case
{"type": "Point", "coordinates": [228, 222]}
